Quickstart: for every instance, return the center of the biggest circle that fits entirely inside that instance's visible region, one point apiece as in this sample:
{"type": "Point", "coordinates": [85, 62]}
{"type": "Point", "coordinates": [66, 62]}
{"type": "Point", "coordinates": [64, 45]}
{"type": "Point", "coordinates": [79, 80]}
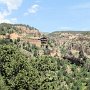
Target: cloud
{"type": "Point", "coordinates": [14, 20]}
{"type": "Point", "coordinates": [9, 6]}
{"type": "Point", "coordinates": [82, 6]}
{"type": "Point", "coordinates": [2, 17]}
{"type": "Point", "coordinates": [32, 10]}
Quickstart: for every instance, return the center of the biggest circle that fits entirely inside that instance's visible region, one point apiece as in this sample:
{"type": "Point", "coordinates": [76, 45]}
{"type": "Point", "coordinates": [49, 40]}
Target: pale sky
{"type": "Point", "coordinates": [47, 15]}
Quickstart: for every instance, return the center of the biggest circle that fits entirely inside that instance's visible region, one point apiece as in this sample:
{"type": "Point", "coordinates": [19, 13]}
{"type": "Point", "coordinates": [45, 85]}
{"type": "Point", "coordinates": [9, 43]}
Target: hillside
{"type": "Point", "coordinates": [72, 39]}
{"type": "Point", "coordinates": [25, 33]}
{"type": "Point", "coordinates": [6, 28]}
{"type": "Point", "coordinates": [32, 61]}
{"type": "Point", "coordinates": [27, 37]}
{"type": "Point", "coordinates": [19, 72]}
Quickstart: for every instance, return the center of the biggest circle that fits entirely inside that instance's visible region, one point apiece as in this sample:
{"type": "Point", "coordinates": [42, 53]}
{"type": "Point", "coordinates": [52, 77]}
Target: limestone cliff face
{"type": "Point", "coordinates": [23, 32]}
{"type": "Point", "coordinates": [31, 31]}
{"type": "Point", "coordinates": [20, 29]}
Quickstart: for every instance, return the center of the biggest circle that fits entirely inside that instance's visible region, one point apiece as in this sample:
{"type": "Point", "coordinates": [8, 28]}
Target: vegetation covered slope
{"type": "Point", "coordinates": [11, 28]}
{"type": "Point", "coordinates": [19, 72]}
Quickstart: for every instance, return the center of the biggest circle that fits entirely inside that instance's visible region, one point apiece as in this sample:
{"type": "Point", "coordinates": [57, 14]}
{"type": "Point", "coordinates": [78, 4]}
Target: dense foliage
{"type": "Point", "coordinates": [6, 28]}
{"type": "Point", "coordinates": [18, 72]}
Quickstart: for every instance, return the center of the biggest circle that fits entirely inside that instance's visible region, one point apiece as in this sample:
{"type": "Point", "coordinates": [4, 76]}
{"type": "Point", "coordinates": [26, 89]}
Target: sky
{"type": "Point", "coordinates": [47, 15]}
